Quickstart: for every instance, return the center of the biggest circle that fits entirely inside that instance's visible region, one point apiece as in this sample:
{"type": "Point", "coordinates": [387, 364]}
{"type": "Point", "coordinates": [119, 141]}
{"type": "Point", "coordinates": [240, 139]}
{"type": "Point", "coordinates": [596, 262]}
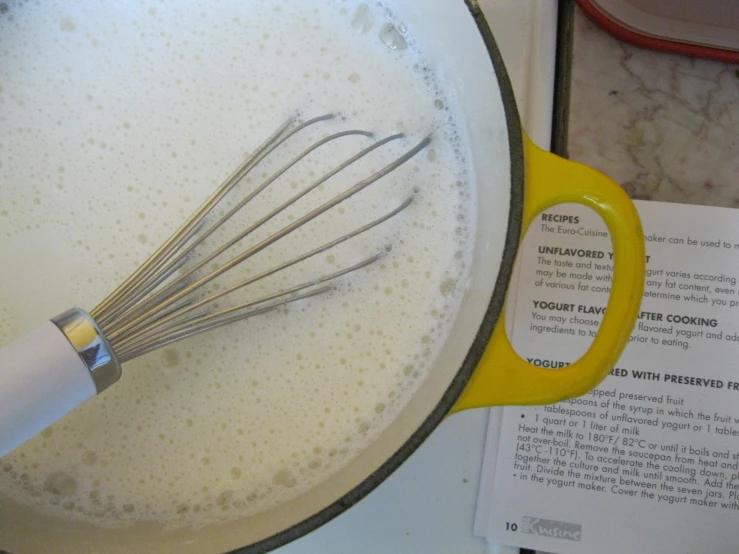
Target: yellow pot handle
{"type": "Point", "coordinates": [502, 376]}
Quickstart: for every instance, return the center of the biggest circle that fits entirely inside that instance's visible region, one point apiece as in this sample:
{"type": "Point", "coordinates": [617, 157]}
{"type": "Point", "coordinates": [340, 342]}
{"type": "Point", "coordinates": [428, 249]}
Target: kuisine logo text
{"type": "Point", "coordinates": [551, 528]}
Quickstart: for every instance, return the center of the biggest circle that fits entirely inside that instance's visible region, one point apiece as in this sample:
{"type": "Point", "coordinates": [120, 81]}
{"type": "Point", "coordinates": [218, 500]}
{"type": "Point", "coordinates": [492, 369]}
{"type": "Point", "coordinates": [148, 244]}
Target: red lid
{"type": "Point", "coordinates": [707, 29]}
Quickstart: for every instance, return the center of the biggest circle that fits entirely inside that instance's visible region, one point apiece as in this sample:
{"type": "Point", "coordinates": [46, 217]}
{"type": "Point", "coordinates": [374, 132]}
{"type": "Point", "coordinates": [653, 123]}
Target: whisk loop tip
{"type": "Point", "coordinates": [306, 122]}
{"type": "Point", "coordinates": [408, 201]}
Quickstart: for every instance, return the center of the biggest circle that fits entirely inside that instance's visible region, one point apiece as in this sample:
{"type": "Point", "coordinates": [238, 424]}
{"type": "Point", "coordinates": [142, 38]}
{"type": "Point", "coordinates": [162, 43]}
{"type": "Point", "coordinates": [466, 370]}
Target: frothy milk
{"type": "Point", "coordinates": [117, 121]}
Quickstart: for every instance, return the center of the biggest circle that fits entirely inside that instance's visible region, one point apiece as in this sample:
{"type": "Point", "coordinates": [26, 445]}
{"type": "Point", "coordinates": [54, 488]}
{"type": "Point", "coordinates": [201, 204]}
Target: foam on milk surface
{"type": "Point", "coordinates": [118, 121]}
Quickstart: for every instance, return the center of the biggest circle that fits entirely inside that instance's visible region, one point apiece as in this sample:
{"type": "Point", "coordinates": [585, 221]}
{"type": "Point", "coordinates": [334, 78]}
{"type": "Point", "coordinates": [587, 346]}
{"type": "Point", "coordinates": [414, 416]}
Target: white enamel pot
{"type": "Point", "coordinates": [477, 366]}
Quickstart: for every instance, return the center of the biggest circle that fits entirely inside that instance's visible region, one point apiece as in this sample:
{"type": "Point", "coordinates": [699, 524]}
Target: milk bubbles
{"type": "Point", "coordinates": [118, 121]}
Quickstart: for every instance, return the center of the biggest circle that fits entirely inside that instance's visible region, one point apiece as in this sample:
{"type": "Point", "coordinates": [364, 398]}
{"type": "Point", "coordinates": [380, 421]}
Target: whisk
{"type": "Point", "coordinates": [52, 370]}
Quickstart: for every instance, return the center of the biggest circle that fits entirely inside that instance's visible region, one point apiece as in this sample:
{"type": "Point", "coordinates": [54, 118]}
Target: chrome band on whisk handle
{"type": "Point", "coordinates": [91, 345]}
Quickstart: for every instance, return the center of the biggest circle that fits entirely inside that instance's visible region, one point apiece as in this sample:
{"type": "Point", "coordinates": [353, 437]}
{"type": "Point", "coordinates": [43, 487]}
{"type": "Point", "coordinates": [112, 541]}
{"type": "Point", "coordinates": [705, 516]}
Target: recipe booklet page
{"type": "Point", "coordinates": [649, 460]}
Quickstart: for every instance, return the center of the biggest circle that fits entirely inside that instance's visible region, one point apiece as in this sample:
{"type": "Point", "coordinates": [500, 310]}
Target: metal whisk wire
{"type": "Point", "coordinates": [155, 306]}
{"type": "Point", "coordinates": [120, 299]}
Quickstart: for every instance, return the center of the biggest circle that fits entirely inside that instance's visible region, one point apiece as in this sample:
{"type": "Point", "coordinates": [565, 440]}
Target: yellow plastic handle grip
{"type": "Point", "coordinates": [502, 377]}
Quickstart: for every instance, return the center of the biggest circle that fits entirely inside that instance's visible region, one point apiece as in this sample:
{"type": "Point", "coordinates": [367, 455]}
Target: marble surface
{"type": "Point", "coordinates": [666, 127]}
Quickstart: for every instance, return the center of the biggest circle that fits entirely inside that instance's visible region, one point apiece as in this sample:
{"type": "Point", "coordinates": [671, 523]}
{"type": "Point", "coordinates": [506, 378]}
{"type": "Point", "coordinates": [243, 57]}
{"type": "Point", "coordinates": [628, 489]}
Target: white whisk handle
{"type": "Point", "coordinates": [47, 373]}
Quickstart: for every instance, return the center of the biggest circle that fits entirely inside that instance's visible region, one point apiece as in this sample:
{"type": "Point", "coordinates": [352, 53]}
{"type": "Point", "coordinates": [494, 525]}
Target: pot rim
{"type": "Point", "coordinates": [482, 337]}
